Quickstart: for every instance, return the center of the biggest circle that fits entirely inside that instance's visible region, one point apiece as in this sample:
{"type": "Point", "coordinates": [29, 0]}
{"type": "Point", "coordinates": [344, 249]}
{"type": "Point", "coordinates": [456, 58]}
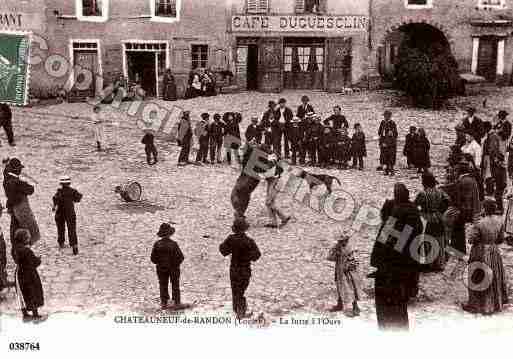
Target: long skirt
{"type": "Point", "coordinates": [434, 232]}
{"type": "Point", "coordinates": [487, 294]}
{"type": "Point", "coordinates": [25, 219]}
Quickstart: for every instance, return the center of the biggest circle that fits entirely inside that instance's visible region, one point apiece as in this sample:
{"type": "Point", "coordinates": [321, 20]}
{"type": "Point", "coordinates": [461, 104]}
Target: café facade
{"type": "Point", "coordinates": [299, 44]}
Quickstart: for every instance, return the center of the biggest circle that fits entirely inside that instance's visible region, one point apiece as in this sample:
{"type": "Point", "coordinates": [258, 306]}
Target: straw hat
{"type": "Point", "coordinates": [65, 180]}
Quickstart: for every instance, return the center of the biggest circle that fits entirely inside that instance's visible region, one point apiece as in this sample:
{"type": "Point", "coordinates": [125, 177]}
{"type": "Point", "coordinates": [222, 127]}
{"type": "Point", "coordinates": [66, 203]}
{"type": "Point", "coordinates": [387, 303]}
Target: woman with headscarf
{"type": "Point", "coordinates": [397, 271]}
{"type": "Point", "coordinates": [487, 288]}
{"type": "Point", "coordinates": [433, 202]}
{"type": "Point", "coordinates": [18, 206]}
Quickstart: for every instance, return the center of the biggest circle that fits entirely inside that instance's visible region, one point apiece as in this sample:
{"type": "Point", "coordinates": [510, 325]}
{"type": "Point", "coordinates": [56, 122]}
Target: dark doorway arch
{"type": "Point", "coordinates": [417, 35]}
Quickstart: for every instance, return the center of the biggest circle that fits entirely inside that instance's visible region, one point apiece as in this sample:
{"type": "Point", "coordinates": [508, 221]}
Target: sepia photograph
{"type": "Point", "coordinates": [296, 178]}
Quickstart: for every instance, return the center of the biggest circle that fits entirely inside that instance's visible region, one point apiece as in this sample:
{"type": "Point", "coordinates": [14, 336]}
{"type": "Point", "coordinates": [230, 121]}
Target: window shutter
{"type": "Point", "coordinates": [263, 6]}
{"type": "Point", "coordinates": [252, 6]}
{"type": "Point", "coordinates": [300, 6]}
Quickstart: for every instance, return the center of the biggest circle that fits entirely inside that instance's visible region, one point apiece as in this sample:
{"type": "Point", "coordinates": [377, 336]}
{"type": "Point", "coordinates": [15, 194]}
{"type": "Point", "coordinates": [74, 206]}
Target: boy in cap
{"type": "Point", "coordinates": [64, 207]}
{"type": "Point", "coordinates": [295, 137]}
{"type": "Point", "coordinates": [244, 251]}
{"type": "Point", "coordinates": [148, 141]}
{"type": "Point", "coordinates": [99, 131]}
{"type": "Point", "coordinates": [346, 275]}
{"type": "Point", "coordinates": [167, 257]}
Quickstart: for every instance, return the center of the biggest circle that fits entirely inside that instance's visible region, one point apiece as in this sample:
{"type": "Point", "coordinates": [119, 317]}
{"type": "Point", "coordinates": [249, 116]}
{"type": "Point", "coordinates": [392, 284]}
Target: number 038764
{"type": "Point", "coordinates": [18, 346]}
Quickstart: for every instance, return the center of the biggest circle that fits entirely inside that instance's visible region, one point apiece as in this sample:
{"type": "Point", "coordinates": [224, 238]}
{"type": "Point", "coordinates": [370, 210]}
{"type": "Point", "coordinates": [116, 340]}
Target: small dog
{"type": "Point", "coordinates": [327, 180]}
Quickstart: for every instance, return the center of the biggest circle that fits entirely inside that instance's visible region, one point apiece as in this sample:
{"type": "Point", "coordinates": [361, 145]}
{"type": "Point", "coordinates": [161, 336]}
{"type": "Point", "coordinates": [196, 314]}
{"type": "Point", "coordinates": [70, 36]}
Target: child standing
{"type": "Point", "coordinates": [148, 141]}
{"type": "Point", "coordinates": [64, 207]}
{"type": "Point", "coordinates": [343, 148]}
{"type": "Point", "coordinates": [244, 251]}
{"type": "Point", "coordinates": [346, 278]}
{"type": "Point", "coordinates": [167, 257]}
{"type": "Point", "coordinates": [325, 147]}
{"type": "Point", "coordinates": [388, 151]}
{"type": "Point", "coordinates": [99, 132]}
{"type": "Point", "coordinates": [29, 289]}
{"type": "Point", "coordinates": [421, 152]}
{"type": "Point", "coordinates": [409, 146]}
{"type": "Point", "coordinates": [358, 148]}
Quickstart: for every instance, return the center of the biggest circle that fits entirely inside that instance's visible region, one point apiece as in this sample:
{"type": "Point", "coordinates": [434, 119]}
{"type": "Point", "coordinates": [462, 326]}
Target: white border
{"type": "Point", "coordinates": [429, 5]}
{"type": "Point", "coordinates": [125, 66]}
{"type": "Point", "coordinates": [502, 5]}
{"type": "Point", "coordinates": [79, 11]}
{"type": "Point", "coordinates": [28, 34]}
{"type": "Point", "coordinates": [164, 18]}
{"type": "Point", "coordinates": [98, 76]}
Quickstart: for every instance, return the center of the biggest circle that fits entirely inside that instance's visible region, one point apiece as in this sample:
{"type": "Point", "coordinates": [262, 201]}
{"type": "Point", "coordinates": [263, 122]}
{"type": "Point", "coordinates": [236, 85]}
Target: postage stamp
{"type": "Point", "coordinates": [14, 68]}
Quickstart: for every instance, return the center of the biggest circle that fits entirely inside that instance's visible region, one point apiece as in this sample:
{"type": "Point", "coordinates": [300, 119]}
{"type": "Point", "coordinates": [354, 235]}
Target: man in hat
{"type": "Point", "coordinates": [253, 133]}
{"type": "Point", "coordinates": [167, 257]}
{"type": "Point", "coordinates": [284, 116]}
{"type": "Point", "coordinates": [6, 122]}
{"type": "Point", "coordinates": [272, 176]}
{"type": "Point", "coordinates": [64, 207]}
{"type": "Point", "coordinates": [201, 132]}
{"type": "Point", "coordinates": [386, 127]}
{"type": "Point", "coordinates": [243, 250]}
{"type": "Point", "coordinates": [304, 108]}
{"type": "Point", "coordinates": [473, 125]}
{"type": "Point", "coordinates": [184, 138]}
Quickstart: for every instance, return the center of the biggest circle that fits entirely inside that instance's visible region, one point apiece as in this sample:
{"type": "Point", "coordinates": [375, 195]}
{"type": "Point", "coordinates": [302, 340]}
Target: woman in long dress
{"type": "Point", "coordinates": [18, 206]}
{"type": "Point", "coordinates": [433, 202]}
{"type": "Point", "coordinates": [487, 288]}
{"type": "Point", "coordinates": [29, 289]}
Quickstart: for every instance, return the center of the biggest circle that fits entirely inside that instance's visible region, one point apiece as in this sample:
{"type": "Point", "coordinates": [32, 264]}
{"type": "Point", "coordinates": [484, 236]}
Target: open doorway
{"type": "Point", "coordinates": [141, 69]}
{"type": "Point", "coordinates": [252, 70]}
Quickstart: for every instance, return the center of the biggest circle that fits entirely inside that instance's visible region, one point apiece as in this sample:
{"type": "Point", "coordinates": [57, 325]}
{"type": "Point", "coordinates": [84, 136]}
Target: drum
{"type": "Point", "coordinates": [130, 191]}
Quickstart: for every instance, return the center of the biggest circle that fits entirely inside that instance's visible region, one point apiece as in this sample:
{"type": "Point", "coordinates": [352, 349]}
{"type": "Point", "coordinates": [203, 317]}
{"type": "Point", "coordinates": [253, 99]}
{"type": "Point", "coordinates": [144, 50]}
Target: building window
{"type": "Point", "coordinates": [199, 54]}
{"type": "Point", "coordinates": [257, 6]}
{"type": "Point", "coordinates": [495, 4]}
{"type": "Point", "coordinates": [92, 10]}
{"type": "Point", "coordinates": [310, 6]}
{"type": "Point", "coordinates": [418, 4]}
{"type": "Point", "coordinates": [165, 10]}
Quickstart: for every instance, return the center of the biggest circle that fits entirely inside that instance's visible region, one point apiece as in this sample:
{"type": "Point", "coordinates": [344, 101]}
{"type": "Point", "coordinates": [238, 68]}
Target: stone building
{"type": "Point", "coordinates": [300, 44]}
{"type": "Point", "coordinates": [137, 39]}
{"type": "Point", "coordinates": [478, 32]}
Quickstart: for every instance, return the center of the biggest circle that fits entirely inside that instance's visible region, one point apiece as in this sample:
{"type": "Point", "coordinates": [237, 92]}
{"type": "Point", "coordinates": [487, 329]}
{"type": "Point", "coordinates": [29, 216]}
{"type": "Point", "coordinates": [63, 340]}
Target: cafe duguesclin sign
{"type": "Point", "coordinates": [299, 23]}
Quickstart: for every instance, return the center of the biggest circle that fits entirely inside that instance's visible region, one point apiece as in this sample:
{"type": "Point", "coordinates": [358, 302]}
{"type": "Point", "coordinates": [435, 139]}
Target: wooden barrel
{"type": "Point", "coordinates": [130, 191]}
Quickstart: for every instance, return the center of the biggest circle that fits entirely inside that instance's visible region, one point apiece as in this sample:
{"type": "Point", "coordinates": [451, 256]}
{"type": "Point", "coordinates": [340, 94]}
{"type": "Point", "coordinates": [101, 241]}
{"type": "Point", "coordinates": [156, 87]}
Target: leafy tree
{"type": "Point", "coordinates": [427, 72]}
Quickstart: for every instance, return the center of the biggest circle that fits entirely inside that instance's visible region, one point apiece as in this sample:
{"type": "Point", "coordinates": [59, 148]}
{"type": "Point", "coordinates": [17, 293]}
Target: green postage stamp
{"type": "Point", "coordinates": [14, 67]}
